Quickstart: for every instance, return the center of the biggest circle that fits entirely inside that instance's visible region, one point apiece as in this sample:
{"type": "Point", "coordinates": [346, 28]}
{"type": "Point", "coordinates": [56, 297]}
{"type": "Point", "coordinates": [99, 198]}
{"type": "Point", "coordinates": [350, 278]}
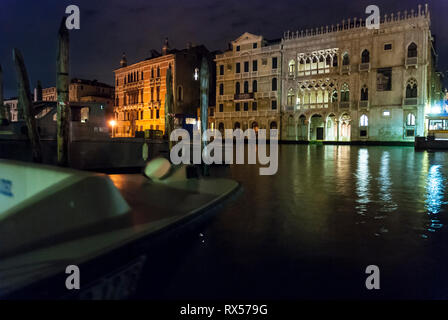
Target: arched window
{"type": "Point", "coordinates": [335, 60]}
{"type": "Point", "coordinates": [152, 73]}
{"type": "Point", "coordinates": [410, 120]}
{"type": "Point", "coordinates": [365, 57]}
{"type": "Point", "coordinates": [179, 93]}
{"type": "Point", "coordinates": [334, 96]}
{"type": "Point", "coordinates": [411, 88]}
{"type": "Point", "coordinates": [292, 67]}
{"type": "Point", "coordinates": [246, 86]}
{"type": "Point", "coordinates": [237, 125]}
{"type": "Point", "coordinates": [364, 121]}
{"type": "Point", "coordinates": [273, 125]}
{"type": "Point", "coordinates": [291, 97]}
{"type": "Point", "coordinates": [364, 93]}
{"type": "Point", "coordinates": [237, 88]}
{"type": "Point", "coordinates": [345, 93]}
{"type": "Point", "coordinates": [274, 84]}
{"type": "Point", "coordinates": [345, 59]}
{"type": "Point", "coordinates": [254, 86]}
{"type": "Point", "coordinates": [221, 89]}
{"type": "Point", "coordinates": [141, 76]}
{"type": "Point", "coordinates": [412, 50]}
{"type": "Point", "coordinates": [158, 72]}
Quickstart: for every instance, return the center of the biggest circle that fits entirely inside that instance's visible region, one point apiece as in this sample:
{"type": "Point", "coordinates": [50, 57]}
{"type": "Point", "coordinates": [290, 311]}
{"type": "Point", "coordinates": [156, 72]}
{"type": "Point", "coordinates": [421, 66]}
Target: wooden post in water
{"type": "Point", "coordinates": [26, 103]}
{"type": "Point", "coordinates": [39, 91]}
{"type": "Point", "coordinates": [204, 78]}
{"type": "Point", "coordinates": [169, 100]}
{"type": "Point", "coordinates": [3, 119]}
{"type": "Point", "coordinates": [62, 85]}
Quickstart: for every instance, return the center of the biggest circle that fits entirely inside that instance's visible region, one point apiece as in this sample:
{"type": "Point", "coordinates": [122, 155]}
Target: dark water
{"type": "Point", "coordinates": [311, 230]}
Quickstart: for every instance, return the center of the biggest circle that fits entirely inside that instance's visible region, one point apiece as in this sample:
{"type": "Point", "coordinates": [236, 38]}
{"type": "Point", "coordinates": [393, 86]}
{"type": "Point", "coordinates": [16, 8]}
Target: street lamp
{"type": "Point", "coordinates": [113, 123]}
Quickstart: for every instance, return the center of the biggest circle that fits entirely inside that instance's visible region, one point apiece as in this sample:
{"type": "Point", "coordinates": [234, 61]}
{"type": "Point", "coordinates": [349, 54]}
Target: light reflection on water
{"type": "Point", "coordinates": [435, 189]}
{"type": "Point", "coordinates": [435, 192]}
{"type": "Point", "coordinates": [386, 190]}
{"type": "Point", "coordinates": [328, 213]}
{"type": "Point", "coordinates": [363, 181]}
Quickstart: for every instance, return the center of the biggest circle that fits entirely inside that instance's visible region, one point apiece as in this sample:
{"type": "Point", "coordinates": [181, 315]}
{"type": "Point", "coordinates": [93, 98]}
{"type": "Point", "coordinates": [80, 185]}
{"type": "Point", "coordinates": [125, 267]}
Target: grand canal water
{"type": "Point", "coordinates": [311, 230]}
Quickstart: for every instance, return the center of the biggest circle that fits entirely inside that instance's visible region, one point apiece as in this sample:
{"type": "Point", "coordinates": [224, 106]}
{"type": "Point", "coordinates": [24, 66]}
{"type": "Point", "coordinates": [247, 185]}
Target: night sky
{"type": "Point", "coordinates": [110, 27]}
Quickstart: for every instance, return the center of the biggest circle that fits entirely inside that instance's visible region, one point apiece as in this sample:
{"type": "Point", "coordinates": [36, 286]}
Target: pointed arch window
{"type": "Point", "coordinates": [345, 59]}
{"type": "Point", "coordinates": [411, 88]}
{"type": "Point", "coordinates": [364, 121]}
{"type": "Point", "coordinates": [412, 50]}
{"type": "Point", "coordinates": [410, 119]}
{"type": "Point", "coordinates": [291, 97]}
{"type": "Point", "coordinates": [335, 60]}
{"type": "Point", "coordinates": [292, 67]}
{"type": "Point", "coordinates": [345, 93]}
{"type": "Point", "coordinates": [365, 57]}
{"type": "Point", "coordinates": [364, 93]}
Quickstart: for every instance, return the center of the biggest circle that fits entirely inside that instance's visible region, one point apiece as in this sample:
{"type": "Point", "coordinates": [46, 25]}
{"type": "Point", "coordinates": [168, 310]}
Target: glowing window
{"type": "Point", "coordinates": [364, 121]}
{"type": "Point", "coordinates": [410, 119]}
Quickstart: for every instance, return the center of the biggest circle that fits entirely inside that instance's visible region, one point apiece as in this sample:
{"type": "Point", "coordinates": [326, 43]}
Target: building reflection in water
{"type": "Point", "coordinates": [363, 178]}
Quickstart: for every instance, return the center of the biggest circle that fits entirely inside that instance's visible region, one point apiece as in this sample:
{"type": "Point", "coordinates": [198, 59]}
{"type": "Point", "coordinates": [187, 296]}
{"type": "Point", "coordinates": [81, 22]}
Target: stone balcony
{"type": "Point", "coordinates": [244, 96]}
{"type": "Point", "coordinates": [363, 104]}
{"type": "Point", "coordinates": [245, 114]}
{"type": "Point", "coordinates": [364, 67]}
{"type": "Point", "coordinates": [344, 105]}
{"type": "Point", "coordinates": [345, 69]}
{"type": "Point", "coordinates": [410, 101]}
{"type": "Point", "coordinates": [411, 62]}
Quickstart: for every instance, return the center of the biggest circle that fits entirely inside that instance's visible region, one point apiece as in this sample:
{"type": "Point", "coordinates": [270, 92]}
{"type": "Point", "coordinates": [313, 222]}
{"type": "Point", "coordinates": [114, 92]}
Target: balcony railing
{"type": "Point", "coordinates": [410, 101]}
{"type": "Point", "coordinates": [364, 104]}
{"type": "Point", "coordinates": [239, 114]}
{"type": "Point", "coordinates": [244, 96]}
{"type": "Point", "coordinates": [344, 104]}
{"type": "Point", "coordinates": [364, 67]}
{"type": "Point", "coordinates": [412, 62]}
{"type": "Point", "coordinates": [322, 105]}
{"type": "Point", "coordinates": [345, 69]}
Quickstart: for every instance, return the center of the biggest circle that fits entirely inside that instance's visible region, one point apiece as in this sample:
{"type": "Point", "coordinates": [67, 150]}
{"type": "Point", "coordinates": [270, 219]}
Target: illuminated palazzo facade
{"type": "Point", "coordinates": [140, 88]}
{"type": "Point", "coordinates": [346, 82]}
{"type": "Point", "coordinates": [248, 85]}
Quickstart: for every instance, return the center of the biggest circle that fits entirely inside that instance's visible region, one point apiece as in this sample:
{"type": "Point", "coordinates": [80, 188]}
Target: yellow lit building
{"type": "Point", "coordinates": [140, 88]}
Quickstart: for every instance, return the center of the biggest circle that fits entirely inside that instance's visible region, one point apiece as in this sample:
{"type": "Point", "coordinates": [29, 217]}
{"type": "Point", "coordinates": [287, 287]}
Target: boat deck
{"type": "Point", "coordinates": [155, 207]}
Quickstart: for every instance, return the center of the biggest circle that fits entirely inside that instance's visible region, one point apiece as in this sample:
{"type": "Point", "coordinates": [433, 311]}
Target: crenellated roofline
{"type": "Point", "coordinates": [356, 23]}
